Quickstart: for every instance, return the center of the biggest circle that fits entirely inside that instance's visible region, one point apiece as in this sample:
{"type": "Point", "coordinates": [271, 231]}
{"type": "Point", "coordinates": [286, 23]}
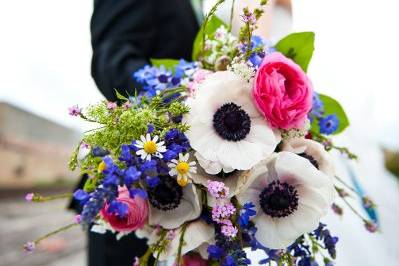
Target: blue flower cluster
{"type": "Point", "coordinates": [300, 251]}
{"type": "Point", "coordinates": [245, 214]}
{"type": "Point", "coordinates": [328, 124]}
{"type": "Point", "coordinates": [156, 79]}
{"type": "Point", "coordinates": [227, 252]}
{"type": "Point", "coordinates": [132, 170]}
{"type": "Point", "coordinates": [258, 43]}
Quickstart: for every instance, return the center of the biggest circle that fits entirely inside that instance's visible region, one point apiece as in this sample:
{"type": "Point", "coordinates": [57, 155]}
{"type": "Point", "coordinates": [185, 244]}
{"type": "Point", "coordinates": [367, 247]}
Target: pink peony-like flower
{"type": "Point", "coordinates": [282, 92]}
{"type": "Point", "coordinates": [193, 260]}
{"type": "Point", "coordinates": [136, 217]}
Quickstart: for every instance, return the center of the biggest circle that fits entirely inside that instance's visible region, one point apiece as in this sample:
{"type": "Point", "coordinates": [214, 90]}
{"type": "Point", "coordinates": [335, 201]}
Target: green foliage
{"type": "Point", "coordinates": [166, 62]}
{"type": "Point", "coordinates": [299, 47]}
{"type": "Point", "coordinates": [211, 26]}
{"type": "Point", "coordinates": [120, 96]}
{"type": "Point", "coordinates": [331, 106]}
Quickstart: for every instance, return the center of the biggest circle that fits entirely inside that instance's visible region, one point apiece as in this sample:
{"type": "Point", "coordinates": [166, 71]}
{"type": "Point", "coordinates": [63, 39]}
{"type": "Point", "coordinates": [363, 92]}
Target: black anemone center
{"type": "Point", "coordinates": [278, 199]}
{"type": "Point", "coordinates": [231, 122]}
{"type": "Point", "coordinates": [310, 159]}
{"type": "Point", "coordinates": [166, 195]}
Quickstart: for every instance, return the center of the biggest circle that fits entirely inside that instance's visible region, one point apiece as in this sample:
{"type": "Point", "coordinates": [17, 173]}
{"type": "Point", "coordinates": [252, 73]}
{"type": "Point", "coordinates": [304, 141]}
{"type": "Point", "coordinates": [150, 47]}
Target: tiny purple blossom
{"type": "Point", "coordinates": [228, 229]}
{"type": "Point", "coordinates": [249, 18]}
{"type": "Point", "coordinates": [371, 226]}
{"type": "Point", "coordinates": [111, 105]}
{"type": "Point", "coordinates": [218, 189]}
{"type": "Point", "coordinates": [29, 247]}
{"type": "Point", "coordinates": [29, 197]}
{"type": "Point", "coordinates": [222, 212]}
{"type": "Point", "coordinates": [74, 110]}
{"type": "Point", "coordinates": [127, 105]}
{"type": "Point", "coordinates": [77, 219]}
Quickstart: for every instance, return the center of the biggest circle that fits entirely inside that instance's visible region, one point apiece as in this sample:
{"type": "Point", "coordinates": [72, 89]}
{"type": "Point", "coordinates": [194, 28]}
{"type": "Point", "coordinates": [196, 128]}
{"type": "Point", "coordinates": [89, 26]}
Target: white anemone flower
{"type": "Point", "coordinates": [313, 151]}
{"type": "Point", "coordinates": [226, 129]}
{"type": "Point", "coordinates": [172, 205]}
{"type": "Point", "coordinates": [290, 196]}
{"type": "Point", "coordinates": [197, 237]}
{"type": "Point", "coordinates": [150, 147]}
{"type": "Point", "coordinates": [182, 168]}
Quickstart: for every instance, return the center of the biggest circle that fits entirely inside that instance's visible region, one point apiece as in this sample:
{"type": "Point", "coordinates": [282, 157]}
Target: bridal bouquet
{"type": "Point", "coordinates": [218, 156]}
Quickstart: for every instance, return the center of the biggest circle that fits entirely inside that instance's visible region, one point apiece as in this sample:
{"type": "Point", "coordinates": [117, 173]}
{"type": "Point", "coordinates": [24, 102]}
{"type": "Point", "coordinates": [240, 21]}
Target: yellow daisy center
{"type": "Point", "coordinates": [101, 166]}
{"type": "Point", "coordinates": [182, 168]}
{"type": "Point", "coordinates": [150, 147]}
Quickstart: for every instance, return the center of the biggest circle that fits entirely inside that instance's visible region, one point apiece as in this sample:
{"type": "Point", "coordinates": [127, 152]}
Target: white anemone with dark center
{"type": "Point", "coordinates": [172, 205]}
{"type": "Point", "coordinates": [290, 196]}
{"type": "Point", "coordinates": [313, 151]}
{"type": "Point", "coordinates": [226, 130]}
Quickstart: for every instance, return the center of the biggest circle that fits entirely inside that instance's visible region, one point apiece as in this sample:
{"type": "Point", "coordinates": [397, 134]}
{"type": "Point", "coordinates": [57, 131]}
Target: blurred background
{"type": "Point", "coordinates": [45, 58]}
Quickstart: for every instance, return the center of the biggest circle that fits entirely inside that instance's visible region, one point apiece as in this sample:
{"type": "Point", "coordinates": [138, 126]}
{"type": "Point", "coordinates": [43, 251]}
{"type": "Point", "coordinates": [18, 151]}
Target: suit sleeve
{"type": "Point", "coordinates": [123, 33]}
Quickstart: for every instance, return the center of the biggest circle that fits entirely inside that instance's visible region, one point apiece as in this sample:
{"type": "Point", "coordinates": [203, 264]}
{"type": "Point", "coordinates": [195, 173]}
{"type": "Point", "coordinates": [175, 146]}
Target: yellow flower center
{"type": "Point", "coordinates": [182, 168]}
{"type": "Point", "coordinates": [101, 166]}
{"type": "Point", "coordinates": [182, 181]}
{"type": "Point", "coordinates": [150, 147]}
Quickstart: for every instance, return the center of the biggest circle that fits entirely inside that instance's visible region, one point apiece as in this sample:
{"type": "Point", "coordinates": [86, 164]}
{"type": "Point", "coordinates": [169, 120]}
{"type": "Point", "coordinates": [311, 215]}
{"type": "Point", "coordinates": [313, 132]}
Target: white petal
{"type": "Point", "coordinates": [267, 233]}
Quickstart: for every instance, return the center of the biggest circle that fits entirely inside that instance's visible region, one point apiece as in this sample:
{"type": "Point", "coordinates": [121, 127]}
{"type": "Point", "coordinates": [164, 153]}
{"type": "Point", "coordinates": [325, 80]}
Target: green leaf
{"type": "Point", "coordinates": [299, 47]}
{"type": "Point", "coordinates": [166, 62]}
{"type": "Point", "coordinates": [331, 106]}
{"type": "Point", "coordinates": [120, 96]}
{"type": "Point", "coordinates": [213, 24]}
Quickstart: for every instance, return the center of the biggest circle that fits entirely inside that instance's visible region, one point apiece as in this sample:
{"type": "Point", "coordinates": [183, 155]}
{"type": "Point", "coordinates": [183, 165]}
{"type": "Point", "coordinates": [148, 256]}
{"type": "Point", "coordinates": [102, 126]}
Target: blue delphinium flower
{"type": "Point", "coordinates": [328, 124]}
{"type": "Point", "coordinates": [133, 192]}
{"type": "Point", "coordinates": [185, 69]}
{"type": "Point", "coordinates": [131, 175]}
{"type": "Point", "coordinates": [118, 208]}
{"type": "Point", "coordinates": [246, 213]}
{"type": "Point", "coordinates": [176, 142]}
{"type": "Point", "coordinates": [99, 152]}
{"type": "Point", "coordinates": [317, 107]}
{"type": "Point", "coordinates": [261, 44]}
{"type": "Point", "coordinates": [229, 261]}
{"type": "Point", "coordinates": [81, 196]}
{"type": "Point", "coordinates": [215, 252]}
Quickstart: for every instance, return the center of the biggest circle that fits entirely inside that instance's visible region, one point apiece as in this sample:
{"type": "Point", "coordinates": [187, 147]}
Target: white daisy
{"type": "Point", "coordinates": [172, 205]}
{"type": "Point", "coordinates": [182, 168]}
{"type": "Point", "coordinates": [290, 196]}
{"type": "Point", "coordinates": [150, 147]}
{"type": "Point", "coordinates": [226, 129]}
{"type": "Point", "coordinates": [313, 151]}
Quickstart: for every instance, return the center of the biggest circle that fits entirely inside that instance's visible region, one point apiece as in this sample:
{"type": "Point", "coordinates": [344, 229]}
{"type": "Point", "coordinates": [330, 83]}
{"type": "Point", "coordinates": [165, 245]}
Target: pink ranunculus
{"type": "Point", "coordinates": [282, 92]}
{"type": "Point", "coordinates": [193, 260]}
{"type": "Point", "coordinates": [137, 213]}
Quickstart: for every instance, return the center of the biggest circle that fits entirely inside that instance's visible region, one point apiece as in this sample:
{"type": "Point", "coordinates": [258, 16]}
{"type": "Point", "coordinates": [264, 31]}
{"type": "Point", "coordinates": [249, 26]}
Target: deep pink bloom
{"type": "Point", "coordinates": [193, 260]}
{"type": "Point", "coordinates": [136, 217]}
{"type": "Point", "coordinates": [77, 219]}
{"type": "Point", "coordinates": [282, 92]}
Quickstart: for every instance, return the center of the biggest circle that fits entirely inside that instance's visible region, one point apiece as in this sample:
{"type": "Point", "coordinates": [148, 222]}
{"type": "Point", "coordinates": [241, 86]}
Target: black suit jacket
{"type": "Point", "coordinates": [127, 33]}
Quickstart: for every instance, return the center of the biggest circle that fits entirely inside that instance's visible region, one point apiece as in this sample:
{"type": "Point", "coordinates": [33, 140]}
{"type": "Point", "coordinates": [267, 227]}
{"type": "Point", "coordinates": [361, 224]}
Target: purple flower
{"type": "Point", "coordinates": [218, 189]}
{"type": "Point", "coordinates": [74, 110]}
{"type": "Point", "coordinates": [248, 18]}
{"type": "Point", "coordinates": [111, 106]}
{"type": "Point", "coordinates": [77, 219]}
{"type": "Point", "coordinates": [29, 197]}
{"type": "Point", "coordinates": [29, 247]}
{"type": "Point", "coordinates": [371, 226]}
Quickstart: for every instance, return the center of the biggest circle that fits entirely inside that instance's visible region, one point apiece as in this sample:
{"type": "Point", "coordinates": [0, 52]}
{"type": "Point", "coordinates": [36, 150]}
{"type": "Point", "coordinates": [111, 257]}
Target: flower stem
{"type": "Point", "coordinates": [181, 243]}
{"type": "Point", "coordinates": [62, 229]}
{"type": "Point", "coordinates": [351, 207]}
{"type": "Point", "coordinates": [346, 184]}
{"type": "Point", "coordinates": [39, 198]}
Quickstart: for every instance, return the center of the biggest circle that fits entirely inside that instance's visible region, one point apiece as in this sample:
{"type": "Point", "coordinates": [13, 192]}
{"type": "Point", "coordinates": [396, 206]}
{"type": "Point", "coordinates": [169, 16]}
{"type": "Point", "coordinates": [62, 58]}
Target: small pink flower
{"type": "Point", "coordinates": [136, 261]}
{"type": "Point", "coordinates": [198, 77]}
{"type": "Point", "coordinates": [29, 197]}
{"type": "Point", "coordinates": [218, 189]}
{"type": "Point", "coordinates": [371, 226]}
{"type": "Point", "coordinates": [136, 217]}
{"type": "Point", "coordinates": [222, 212]}
{"type": "Point", "coordinates": [127, 105]}
{"type": "Point", "coordinates": [282, 92]}
{"type": "Point", "coordinates": [111, 105]}
{"type": "Point", "coordinates": [77, 219]}
{"type": "Point", "coordinates": [74, 110]}
{"type": "Point", "coordinates": [228, 229]}
{"type": "Point", "coordinates": [249, 18]}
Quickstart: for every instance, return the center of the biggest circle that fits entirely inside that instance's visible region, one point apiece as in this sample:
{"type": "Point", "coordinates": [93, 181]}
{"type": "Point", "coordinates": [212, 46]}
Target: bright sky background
{"type": "Point", "coordinates": [45, 58]}
{"type": "Point", "coordinates": [45, 68]}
